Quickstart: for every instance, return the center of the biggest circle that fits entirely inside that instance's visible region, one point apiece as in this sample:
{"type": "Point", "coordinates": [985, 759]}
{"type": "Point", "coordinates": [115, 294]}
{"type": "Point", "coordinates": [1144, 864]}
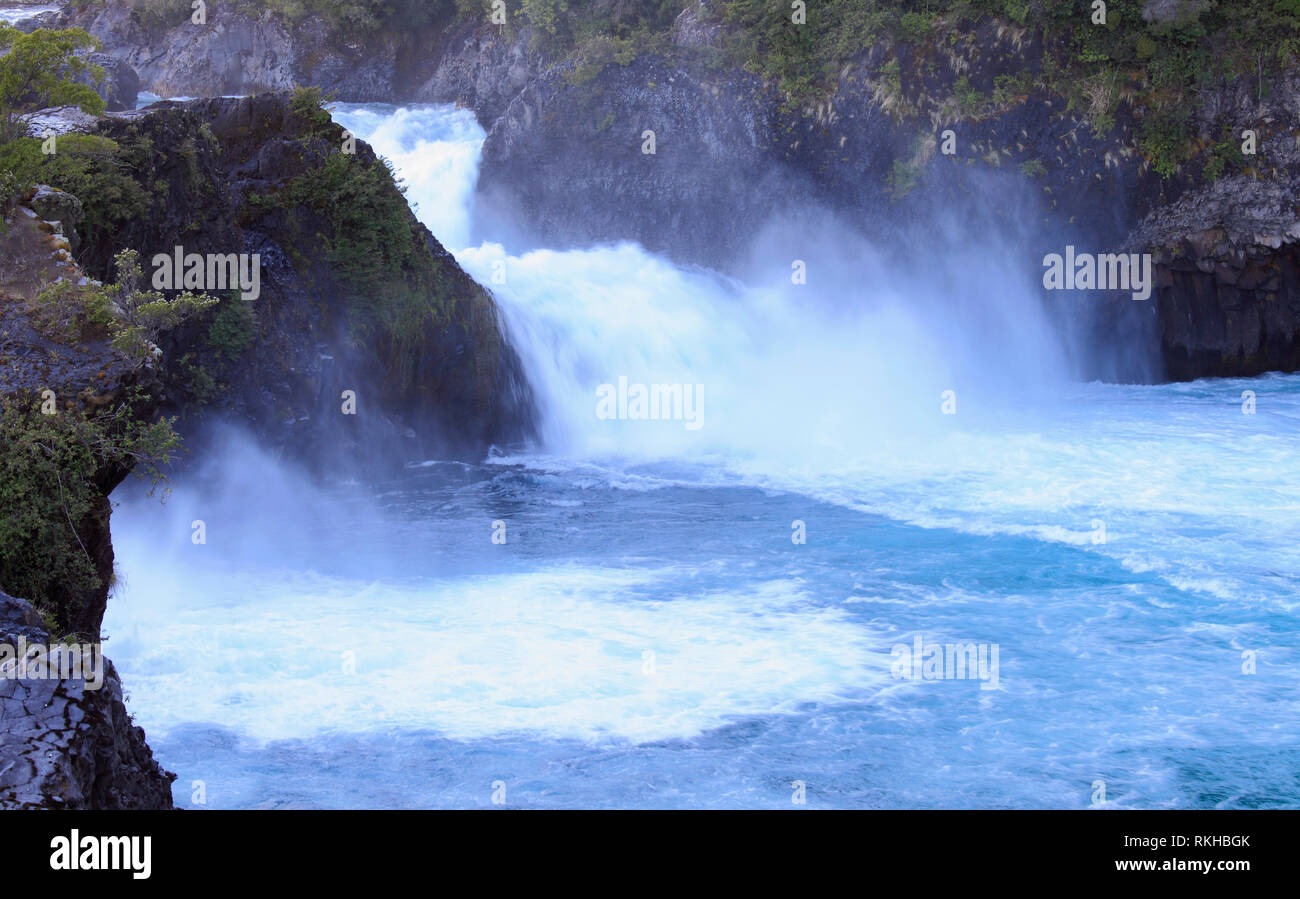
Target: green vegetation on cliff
{"type": "Point", "coordinates": [59, 459]}
{"type": "Point", "coordinates": [42, 69]}
{"type": "Point", "coordinates": [364, 16]}
{"type": "Point", "coordinates": [371, 242]}
{"type": "Point", "coordinates": [336, 213]}
{"type": "Point", "coordinates": [1157, 64]}
{"type": "Point", "coordinates": [60, 455]}
{"type": "Point", "coordinates": [106, 175]}
{"type": "Point", "coordinates": [233, 328]}
{"type": "Point", "coordinates": [51, 466]}
{"type": "Point", "coordinates": [377, 251]}
{"type": "Point", "coordinates": [1153, 55]}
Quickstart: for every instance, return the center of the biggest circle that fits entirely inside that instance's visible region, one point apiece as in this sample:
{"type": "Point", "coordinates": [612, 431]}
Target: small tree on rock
{"type": "Point", "coordinates": [146, 314]}
{"type": "Point", "coordinates": [41, 69]}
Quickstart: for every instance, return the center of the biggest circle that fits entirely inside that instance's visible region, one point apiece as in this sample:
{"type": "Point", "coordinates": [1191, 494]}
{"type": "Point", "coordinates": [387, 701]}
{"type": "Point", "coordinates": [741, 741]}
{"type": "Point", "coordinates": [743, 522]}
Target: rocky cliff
{"type": "Point", "coordinates": [568, 159]}
{"type": "Point", "coordinates": [1089, 161]}
{"type": "Point", "coordinates": [69, 744]}
{"type": "Point", "coordinates": [356, 294]}
{"type": "Point", "coordinates": [70, 405]}
{"type": "Point", "coordinates": [1226, 250]}
{"type": "Point", "coordinates": [366, 346]}
{"type": "Point", "coordinates": [63, 386]}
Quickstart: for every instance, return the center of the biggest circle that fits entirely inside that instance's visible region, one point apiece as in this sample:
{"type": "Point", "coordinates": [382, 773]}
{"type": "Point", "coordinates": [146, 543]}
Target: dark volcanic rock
{"type": "Point", "coordinates": [1226, 251]}
{"type": "Point", "coordinates": [563, 161]}
{"type": "Point", "coordinates": [573, 162]}
{"type": "Point", "coordinates": [237, 53]}
{"type": "Point", "coordinates": [64, 744]}
{"type": "Point", "coordinates": [480, 68]}
{"type": "Point", "coordinates": [232, 54]}
{"type": "Point", "coordinates": [453, 387]}
{"type": "Point", "coordinates": [120, 86]}
{"type": "Point", "coordinates": [59, 206]}
{"type": "Point", "coordinates": [1227, 260]}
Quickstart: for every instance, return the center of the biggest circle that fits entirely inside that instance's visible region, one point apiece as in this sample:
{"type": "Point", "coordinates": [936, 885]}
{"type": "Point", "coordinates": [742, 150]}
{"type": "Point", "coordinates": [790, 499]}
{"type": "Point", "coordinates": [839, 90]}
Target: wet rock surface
{"type": "Point", "coordinates": [63, 745]}
{"type": "Point", "coordinates": [1227, 260]}
{"type": "Point", "coordinates": [457, 388]}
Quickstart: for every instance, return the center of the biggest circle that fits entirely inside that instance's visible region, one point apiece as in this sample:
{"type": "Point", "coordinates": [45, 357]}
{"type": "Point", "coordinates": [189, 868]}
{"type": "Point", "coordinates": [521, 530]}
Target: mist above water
{"type": "Point", "coordinates": [854, 360]}
{"type": "Point", "coordinates": [922, 414]}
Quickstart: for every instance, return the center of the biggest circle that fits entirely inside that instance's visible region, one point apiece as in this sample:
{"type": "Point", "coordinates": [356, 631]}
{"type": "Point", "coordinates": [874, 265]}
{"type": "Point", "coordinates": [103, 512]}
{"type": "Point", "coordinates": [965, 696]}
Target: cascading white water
{"type": "Point", "coordinates": [849, 366]}
{"type": "Point", "coordinates": [435, 153]}
{"type": "Point", "coordinates": [12, 15]}
{"type": "Point", "coordinates": [651, 635]}
{"type": "Point", "coordinates": [838, 387]}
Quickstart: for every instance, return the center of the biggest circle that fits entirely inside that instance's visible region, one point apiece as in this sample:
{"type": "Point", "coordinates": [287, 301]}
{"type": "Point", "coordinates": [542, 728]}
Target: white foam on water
{"type": "Point", "coordinates": [835, 389]}
{"type": "Point", "coordinates": [557, 653]}
{"type": "Point", "coordinates": [12, 15]}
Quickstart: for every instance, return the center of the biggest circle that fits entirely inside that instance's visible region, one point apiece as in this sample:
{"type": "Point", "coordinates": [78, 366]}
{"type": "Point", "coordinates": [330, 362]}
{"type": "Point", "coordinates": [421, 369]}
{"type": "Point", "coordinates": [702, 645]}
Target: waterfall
{"type": "Point", "coordinates": [823, 348]}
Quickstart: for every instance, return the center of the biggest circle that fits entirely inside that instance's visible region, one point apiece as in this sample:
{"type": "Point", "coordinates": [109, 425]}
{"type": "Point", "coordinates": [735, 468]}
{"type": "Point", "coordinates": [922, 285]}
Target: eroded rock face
{"type": "Point", "coordinates": [120, 86]}
{"type": "Point", "coordinates": [231, 55]}
{"type": "Point", "coordinates": [478, 68]}
{"type": "Point", "coordinates": [563, 161]}
{"type": "Point", "coordinates": [235, 53]}
{"type": "Point", "coordinates": [567, 156]}
{"type": "Point", "coordinates": [61, 208]}
{"type": "Point", "coordinates": [648, 152]}
{"type": "Point", "coordinates": [63, 745]}
{"type": "Point", "coordinates": [1226, 252]}
{"type": "Point", "coordinates": [1227, 261]}
{"type": "Point", "coordinates": [453, 388]}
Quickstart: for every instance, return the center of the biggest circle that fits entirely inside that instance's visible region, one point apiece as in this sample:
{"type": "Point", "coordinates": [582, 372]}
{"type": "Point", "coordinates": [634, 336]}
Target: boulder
{"type": "Point", "coordinates": [59, 206]}
{"type": "Point", "coordinates": [68, 741]}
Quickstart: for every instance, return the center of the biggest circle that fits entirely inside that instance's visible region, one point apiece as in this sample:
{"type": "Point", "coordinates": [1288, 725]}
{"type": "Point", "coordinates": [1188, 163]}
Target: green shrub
{"type": "Point", "coordinates": [49, 465]}
{"type": "Point", "coordinates": [196, 380]}
{"type": "Point", "coordinates": [233, 328]}
{"type": "Point", "coordinates": [307, 105]}
{"type": "Point", "coordinates": [913, 26]}
{"type": "Point", "coordinates": [68, 313]}
{"type": "Point", "coordinates": [1225, 157]}
{"type": "Point", "coordinates": [131, 317]}
{"type": "Point", "coordinates": [902, 179]}
{"type": "Point", "coordinates": [10, 189]}
{"type": "Point", "coordinates": [970, 100]}
{"type": "Point", "coordinates": [1016, 10]}
{"type": "Point", "coordinates": [101, 173]}
{"type": "Point", "coordinates": [144, 315]}
{"type": "Point", "coordinates": [373, 243]}
{"type": "Point", "coordinates": [1033, 168]}
{"type": "Point", "coordinates": [1165, 138]}
{"type": "Point", "coordinates": [42, 69]}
